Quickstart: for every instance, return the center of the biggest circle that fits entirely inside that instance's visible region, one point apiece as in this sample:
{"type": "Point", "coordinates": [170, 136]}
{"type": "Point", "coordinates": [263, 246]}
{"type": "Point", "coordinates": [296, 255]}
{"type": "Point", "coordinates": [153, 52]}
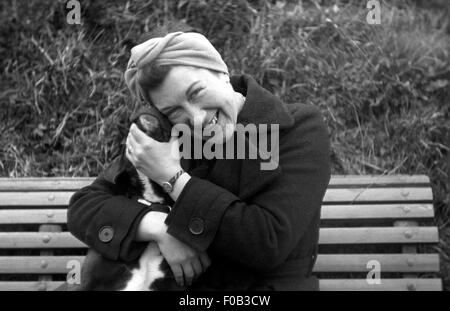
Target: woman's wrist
{"type": "Point", "coordinates": [179, 185]}
{"type": "Point", "coordinates": [169, 174]}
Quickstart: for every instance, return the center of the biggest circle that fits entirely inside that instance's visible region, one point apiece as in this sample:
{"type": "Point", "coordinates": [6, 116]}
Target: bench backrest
{"type": "Point", "coordinates": [370, 225]}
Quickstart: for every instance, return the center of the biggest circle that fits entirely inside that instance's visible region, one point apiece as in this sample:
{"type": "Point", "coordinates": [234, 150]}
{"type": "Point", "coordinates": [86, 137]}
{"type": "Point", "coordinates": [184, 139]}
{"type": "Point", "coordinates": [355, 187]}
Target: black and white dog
{"type": "Point", "coordinates": [150, 271]}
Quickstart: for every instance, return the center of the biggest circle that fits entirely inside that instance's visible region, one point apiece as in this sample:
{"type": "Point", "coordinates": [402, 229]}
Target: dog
{"type": "Point", "coordinates": [151, 271]}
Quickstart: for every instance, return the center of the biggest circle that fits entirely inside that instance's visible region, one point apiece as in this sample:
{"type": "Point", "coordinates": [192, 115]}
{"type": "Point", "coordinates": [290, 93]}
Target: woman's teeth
{"type": "Point", "coordinates": [213, 120]}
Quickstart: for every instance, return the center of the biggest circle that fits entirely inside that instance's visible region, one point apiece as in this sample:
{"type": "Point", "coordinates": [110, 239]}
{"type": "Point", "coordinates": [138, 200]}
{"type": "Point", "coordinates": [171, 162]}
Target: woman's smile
{"type": "Point", "coordinates": [214, 119]}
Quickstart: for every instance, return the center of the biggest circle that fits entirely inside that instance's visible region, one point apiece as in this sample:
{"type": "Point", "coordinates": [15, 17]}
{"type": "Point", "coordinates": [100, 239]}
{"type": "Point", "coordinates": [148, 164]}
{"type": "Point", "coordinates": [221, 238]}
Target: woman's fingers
{"type": "Point", "coordinates": [173, 138]}
{"type": "Point", "coordinates": [131, 141]}
{"type": "Point", "coordinates": [205, 261]}
{"type": "Point", "coordinates": [131, 147]}
{"type": "Point", "coordinates": [139, 136]}
{"type": "Point", "coordinates": [138, 141]}
{"type": "Point", "coordinates": [178, 274]}
{"type": "Point", "coordinates": [188, 273]}
{"type": "Point", "coordinates": [185, 263]}
{"type": "Point", "coordinates": [197, 267]}
{"type": "Point", "coordinates": [128, 154]}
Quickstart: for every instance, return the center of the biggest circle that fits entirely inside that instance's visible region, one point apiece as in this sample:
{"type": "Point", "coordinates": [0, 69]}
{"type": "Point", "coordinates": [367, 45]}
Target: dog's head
{"type": "Point", "coordinates": [152, 122]}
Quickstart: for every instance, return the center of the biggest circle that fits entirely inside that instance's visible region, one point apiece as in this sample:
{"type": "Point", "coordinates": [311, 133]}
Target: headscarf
{"type": "Point", "coordinates": [176, 48]}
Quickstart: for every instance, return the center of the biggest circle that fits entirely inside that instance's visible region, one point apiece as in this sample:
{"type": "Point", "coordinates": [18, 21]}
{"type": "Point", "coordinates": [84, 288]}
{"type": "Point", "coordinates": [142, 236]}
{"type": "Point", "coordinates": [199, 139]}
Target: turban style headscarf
{"type": "Point", "coordinates": [176, 48]}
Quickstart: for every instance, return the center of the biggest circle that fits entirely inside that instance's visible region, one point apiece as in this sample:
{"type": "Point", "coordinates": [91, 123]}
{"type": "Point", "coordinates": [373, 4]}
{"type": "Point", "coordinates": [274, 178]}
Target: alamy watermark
{"type": "Point", "coordinates": [373, 17]}
{"type": "Point", "coordinates": [73, 17]}
{"type": "Point", "coordinates": [374, 275]}
{"type": "Point", "coordinates": [249, 141]}
{"type": "Point", "coordinates": [73, 277]}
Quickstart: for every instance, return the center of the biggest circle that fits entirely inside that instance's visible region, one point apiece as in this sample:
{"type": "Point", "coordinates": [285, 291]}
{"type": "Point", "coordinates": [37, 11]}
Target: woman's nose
{"type": "Point", "coordinates": [196, 116]}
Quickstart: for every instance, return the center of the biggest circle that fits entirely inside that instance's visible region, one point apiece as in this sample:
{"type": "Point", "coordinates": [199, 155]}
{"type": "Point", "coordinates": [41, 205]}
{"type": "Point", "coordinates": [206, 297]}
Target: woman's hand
{"type": "Point", "coordinates": [158, 161]}
{"type": "Point", "coordinates": [185, 262]}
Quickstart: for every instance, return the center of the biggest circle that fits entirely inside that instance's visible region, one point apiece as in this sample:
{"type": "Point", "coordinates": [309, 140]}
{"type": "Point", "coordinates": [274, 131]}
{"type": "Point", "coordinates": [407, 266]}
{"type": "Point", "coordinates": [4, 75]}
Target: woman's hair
{"type": "Point", "coordinates": [152, 75]}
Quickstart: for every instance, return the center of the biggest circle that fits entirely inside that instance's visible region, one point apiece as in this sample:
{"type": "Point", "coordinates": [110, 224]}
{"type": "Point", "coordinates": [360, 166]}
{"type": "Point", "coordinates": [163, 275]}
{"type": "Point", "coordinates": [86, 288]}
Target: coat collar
{"type": "Point", "coordinates": [261, 106]}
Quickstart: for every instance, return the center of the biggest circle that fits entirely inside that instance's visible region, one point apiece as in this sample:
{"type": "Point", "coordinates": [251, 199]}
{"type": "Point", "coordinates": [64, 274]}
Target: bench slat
{"type": "Point", "coordinates": [54, 198]}
{"type": "Point", "coordinates": [372, 235]}
{"type": "Point", "coordinates": [325, 285]}
{"type": "Point", "coordinates": [325, 263]}
{"type": "Point", "coordinates": [44, 183]}
{"type": "Point", "coordinates": [37, 264]}
{"type": "Point", "coordinates": [29, 285]}
{"type": "Point", "coordinates": [377, 211]}
{"type": "Point", "coordinates": [378, 235]}
{"type": "Point", "coordinates": [388, 262]}
{"type": "Point", "coordinates": [33, 216]}
{"type": "Point", "coordinates": [403, 194]}
{"type": "Point", "coordinates": [75, 183]}
{"type": "Point", "coordinates": [386, 285]}
{"type": "Point", "coordinates": [375, 180]}
{"type": "Point", "coordinates": [39, 240]}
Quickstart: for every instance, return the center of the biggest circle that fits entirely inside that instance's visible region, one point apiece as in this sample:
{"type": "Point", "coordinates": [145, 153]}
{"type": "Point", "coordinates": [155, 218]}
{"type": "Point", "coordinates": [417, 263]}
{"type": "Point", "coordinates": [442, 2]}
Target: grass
{"type": "Point", "coordinates": [384, 89]}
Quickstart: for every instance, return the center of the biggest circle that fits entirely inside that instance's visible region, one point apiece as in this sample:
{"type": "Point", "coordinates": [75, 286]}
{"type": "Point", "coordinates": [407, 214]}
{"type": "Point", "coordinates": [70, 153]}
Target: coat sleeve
{"type": "Point", "coordinates": [262, 231]}
{"type": "Point", "coordinates": [106, 220]}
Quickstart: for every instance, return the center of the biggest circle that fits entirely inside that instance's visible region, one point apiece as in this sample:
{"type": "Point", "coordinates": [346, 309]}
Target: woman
{"type": "Point", "coordinates": [233, 225]}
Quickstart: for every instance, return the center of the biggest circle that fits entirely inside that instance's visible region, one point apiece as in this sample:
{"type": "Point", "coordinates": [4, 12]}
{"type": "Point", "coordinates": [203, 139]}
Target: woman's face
{"type": "Point", "coordinates": [201, 97]}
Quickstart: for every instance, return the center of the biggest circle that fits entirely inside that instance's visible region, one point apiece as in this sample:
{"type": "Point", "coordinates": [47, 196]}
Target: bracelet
{"type": "Point", "coordinates": [168, 185]}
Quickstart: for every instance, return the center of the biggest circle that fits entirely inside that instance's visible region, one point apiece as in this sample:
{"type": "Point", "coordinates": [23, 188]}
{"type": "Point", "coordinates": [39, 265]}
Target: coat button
{"type": "Point", "coordinates": [106, 234]}
{"type": "Point", "coordinates": [196, 226]}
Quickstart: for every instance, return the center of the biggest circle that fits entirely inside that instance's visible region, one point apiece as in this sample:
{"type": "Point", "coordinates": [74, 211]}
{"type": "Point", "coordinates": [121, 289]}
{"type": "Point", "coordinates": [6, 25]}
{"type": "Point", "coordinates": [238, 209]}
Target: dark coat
{"type": "Point", "coordinates": [260, 227]}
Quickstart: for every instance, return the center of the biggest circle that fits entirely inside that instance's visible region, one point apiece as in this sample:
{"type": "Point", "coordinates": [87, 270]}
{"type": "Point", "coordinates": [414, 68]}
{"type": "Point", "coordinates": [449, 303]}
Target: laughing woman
{"type": "Point", "coordinates": [233, 225]}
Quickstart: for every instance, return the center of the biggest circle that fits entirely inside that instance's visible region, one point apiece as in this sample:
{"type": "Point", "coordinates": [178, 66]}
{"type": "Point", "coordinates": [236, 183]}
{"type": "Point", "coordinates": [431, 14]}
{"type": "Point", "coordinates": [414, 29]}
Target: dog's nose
{"type": "Point", "coordinates": [197, 117]}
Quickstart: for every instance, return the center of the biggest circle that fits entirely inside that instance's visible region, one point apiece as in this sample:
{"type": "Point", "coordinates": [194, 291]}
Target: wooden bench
{"type": "Point", "coordinates": [368, 222]}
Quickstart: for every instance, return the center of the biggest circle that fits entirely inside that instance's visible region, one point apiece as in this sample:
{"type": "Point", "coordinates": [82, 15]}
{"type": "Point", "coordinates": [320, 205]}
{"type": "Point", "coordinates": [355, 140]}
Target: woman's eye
{"type": "Point", "coordinates": [171, 112]}
{"type": "Point", "coordinates": [174, 113]}
{"type": "Point", "coordinates": [195, 93]}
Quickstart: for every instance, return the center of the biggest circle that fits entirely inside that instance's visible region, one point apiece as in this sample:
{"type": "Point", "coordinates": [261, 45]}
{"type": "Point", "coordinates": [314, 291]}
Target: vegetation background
{"type": "Point", "coordinates": [384, 90]}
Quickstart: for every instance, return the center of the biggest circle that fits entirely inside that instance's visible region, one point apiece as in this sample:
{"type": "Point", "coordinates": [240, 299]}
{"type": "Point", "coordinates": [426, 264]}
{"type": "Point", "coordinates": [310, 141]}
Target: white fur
{"type": "Point", "coordinates": [149, 269]}
{"type": "Point", "coordinates": [149, 192]}
{"type": "Point", "coordinates": [151, 259]}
